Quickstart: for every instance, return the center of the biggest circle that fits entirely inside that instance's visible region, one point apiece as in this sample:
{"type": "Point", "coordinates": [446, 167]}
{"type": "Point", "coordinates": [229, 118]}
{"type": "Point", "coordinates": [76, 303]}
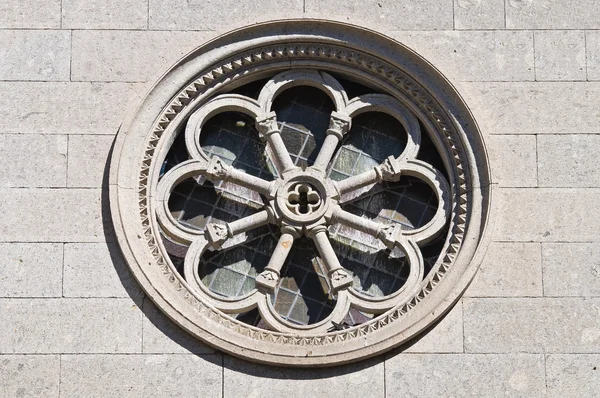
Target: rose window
{"type": "Point", "coordinates": [301, 199]}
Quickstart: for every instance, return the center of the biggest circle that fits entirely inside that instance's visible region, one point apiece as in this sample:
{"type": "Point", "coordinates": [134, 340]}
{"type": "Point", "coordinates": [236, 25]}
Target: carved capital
{"type": "Point", "coordinates": [267, 125]}
{"type": "Point", "coordinates": [339, 124]}
{"type": "Point", "coordinates": [217, 170]}
{"type": "Point", "coordinates": [388, 235]}
{"type": "Point", "coordinates": [216, 234]}
{"type": "Point", "coordinates": [390, 170]}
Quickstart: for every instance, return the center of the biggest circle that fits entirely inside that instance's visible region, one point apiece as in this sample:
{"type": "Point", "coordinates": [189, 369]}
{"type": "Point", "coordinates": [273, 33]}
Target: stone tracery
{"type": "Point", "coordinates": [322, 198]}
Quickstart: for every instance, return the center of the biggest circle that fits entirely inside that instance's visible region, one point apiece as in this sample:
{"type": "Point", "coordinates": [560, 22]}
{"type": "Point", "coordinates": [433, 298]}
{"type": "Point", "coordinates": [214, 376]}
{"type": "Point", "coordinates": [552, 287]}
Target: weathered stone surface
{"type": "Point", "coordinates": [475, 56]}
{"type": "Point", "coordinates": [63, 108]}
{"type": "Point", "coordinates": [569, 160]}
{"type": "Point", "coordinates": [532, 108]}
{"type": "Point", "coordinates": [513, 160]}
{"type": "Point", "coordinates": [559, 325]}
{"type": "Point", "coordinates": [30, 14]}
{"type": "Point", "coordinates": [592, 47]}
{"type": "Point", "coordinates": [129, 56]}
{"type": "Point", "coordinates": [446, 336]}
{"type": "Point", "coordinates": [548, 214]}
{"type": "Point", "coordinates": [571, 269]}
{"type": "Point", "coordinates": [17, 152]}
{"type": "Point", "coordinates": [162, 335]}
{"type": "Point", "coordinates": [560, 55]}
{"type": "Point", "coordinates": [200, 15]}
{"type": "Point", "coordinates": [31, 269]}
{"type": "Point", "coordinates": [573, 375]}
{"type": "Point", "coordinates": [533, 14]}
{"type": "Point", "coordinates": [141, 376]}
{"type": "Point", "coordinates": [97, 270]}
{"type": "Point", "coordinates": [51, 215]}
{"type": "Point", "coordinates": [464, 375]}
{"type": "Point", "coordinates": [479, 14]}
{"type": "Point", "coordinates": [406, 15]}
{"type": "Point", "coordinates": [88, 160]}
{"type": "Point", "coordinates": [252, 380]}
{"type": "Point", "coordinates": [70, 326]}
{"type": "Point", "coordinates": [509, 270]}
{"type": "Point", "coordinates": [29, 375]}
{"type": "Point", "coordinates": [104, 14]}
{"type": "Point", "coordinates": [46, 57]}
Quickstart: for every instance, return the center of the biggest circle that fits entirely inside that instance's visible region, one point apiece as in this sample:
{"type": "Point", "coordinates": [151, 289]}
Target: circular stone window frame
{"type": "Point", "coordinates": [261, 51]}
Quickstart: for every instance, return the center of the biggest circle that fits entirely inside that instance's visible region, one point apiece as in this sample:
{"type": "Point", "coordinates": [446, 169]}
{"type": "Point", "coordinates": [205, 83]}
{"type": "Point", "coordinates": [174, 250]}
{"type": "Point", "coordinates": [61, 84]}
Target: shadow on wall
{"type": "Point", "coordinates": [161, 335]}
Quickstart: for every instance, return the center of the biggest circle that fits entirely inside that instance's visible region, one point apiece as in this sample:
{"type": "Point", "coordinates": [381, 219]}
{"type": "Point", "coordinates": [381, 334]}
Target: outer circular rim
{"type": "Point", "coordinates": [169, 294]}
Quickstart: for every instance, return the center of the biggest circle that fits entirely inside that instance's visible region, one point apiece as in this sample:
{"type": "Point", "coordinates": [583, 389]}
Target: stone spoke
{"type": "Point", "coordinates": [218, 234]}
{"type": "Point", "coordinates": [389, 170]}
{"type": "Point", "coordinates": [268, 129]}
{"type": "Point", "coordinates": [339, 277]}
{"type": "Point", "coordinates": [339, 124]}
{"type": "Point", "coordinates": [219, 171]}
{"type": "Point", "coordinates": [268, 279]}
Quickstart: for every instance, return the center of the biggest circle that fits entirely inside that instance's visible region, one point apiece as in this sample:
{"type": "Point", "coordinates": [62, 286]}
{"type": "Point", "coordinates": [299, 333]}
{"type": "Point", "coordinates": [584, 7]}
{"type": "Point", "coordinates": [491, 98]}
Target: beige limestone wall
{"type": "Point", "coordinates": [73, 321]}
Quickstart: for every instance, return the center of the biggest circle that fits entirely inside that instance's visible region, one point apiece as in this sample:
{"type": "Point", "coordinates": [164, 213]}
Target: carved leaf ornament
{"type": "Point", "coordinates": [292, 245]}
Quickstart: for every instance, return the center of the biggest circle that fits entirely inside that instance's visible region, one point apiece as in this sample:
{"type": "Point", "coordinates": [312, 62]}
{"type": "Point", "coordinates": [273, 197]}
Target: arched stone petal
{"type": "Point", "coordinates": [173, 229]}
{"type": "Point", "coordinates": [436, 181]}
{"type": "Point", "coordinates": [220, 104]}
{"type": "Point", "coordinates": [304, 77]}
{"type": "Point", "coordinates": [391, 106]}
{"type": "Point", "coordinates": [378, 305]}
{"type": "Point", "coordinates": [275, 322]}
{"type": "Point", "coordinates": [227, 305]}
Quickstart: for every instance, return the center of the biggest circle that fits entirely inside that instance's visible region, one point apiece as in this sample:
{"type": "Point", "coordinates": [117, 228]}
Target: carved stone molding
{"type": "Point", "coordinates": [301, 202]}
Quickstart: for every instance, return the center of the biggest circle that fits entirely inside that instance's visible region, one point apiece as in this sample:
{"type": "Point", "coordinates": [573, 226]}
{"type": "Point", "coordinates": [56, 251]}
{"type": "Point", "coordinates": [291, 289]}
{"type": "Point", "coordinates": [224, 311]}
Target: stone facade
{"type": "Point", "coordinates": [73, 322]}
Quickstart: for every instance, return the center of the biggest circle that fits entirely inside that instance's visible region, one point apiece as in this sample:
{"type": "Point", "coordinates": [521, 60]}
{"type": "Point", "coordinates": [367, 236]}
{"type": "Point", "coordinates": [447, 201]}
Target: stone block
{"type": "Point", "coordinates": [30, 14]}
{"type": "Point", "coordinates": [88, 160]}
{"type": "Point", "coordinates": [569, 160]}
{"type": "Point", "coordinates": [33, 160]}
{"type": "Point", "coordinates": [386, 15]}
{"type": "Point", "coordinates": [560, 55]}
{"type": "Point", "coordinates": [465, 375]}
{"type": "Point", "coordinates": [245, 379]}
{"type": "Point", "coordinates": [535, 14]}
{"type": "Point", "coordinates": [163, 336]}
{"type": "Point", "coordinates": [97, 270]}
{"type": "Point", "coordinates": [513, 160]}
{"type": "Point", "coordinates": [105, 14]}
{"type": "Point", "coordinates": [592, 46]}
{"type": "Point", "coordinates": [571, 269]}
{"type": "Point", "coordinates": [544, 325]}
{"type": "Point", "coordinates": [574, 375]}
{"type": "Point", "coordinates": [475, 56]}
{"type": "Point", "coordinates": [534, 107]}
{"type": "Point", "coordinates": [221, 15]}
{"type": "Point", "coordinates": [509, 270]}
{"type": "Point", "coordinates": [141, 376]}
{"type": "Point", "coordinates": [31, 269]}
{"type": "Point", "coordinates": [63, 108]}
{"type": "Point", "coordinates": [446, 336]}
{"type": "Point", "coordinates": [52, 215]}
{"type": "Point", "coordinates": [70, 326]}
{"type": "Point", "coordinates": [548, 214]}
{"type": "Point", "coordinates": [39, 55]}
{"type": "Point", "coordinates": [479, 14]}
{"type": "Point", "coordinates": [129, 56]}
{"type": "Point", "coordinates": [29, 375]}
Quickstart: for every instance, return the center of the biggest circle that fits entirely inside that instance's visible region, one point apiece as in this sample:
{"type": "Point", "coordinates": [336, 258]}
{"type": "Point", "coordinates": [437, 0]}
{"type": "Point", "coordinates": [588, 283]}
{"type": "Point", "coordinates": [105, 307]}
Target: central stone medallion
{"type": "Point", "coordinates": [303, 198]}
